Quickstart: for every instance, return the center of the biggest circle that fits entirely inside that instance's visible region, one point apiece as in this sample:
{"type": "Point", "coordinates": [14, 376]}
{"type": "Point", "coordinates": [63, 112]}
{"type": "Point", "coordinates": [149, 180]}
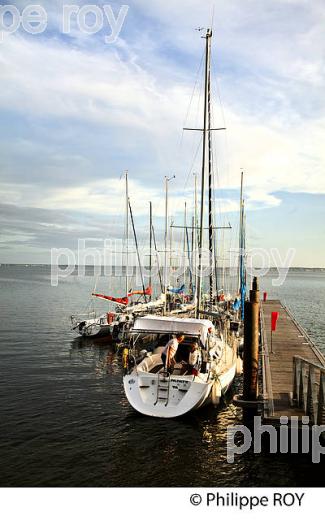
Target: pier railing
{"type": "Point", "coordinates": [309, 389]}
{"type": "Point", "coordinates": [306, 336]}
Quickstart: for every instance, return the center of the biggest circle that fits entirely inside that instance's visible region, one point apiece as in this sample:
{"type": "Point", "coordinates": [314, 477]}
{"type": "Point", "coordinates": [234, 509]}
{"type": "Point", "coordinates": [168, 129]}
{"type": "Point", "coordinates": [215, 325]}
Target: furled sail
{"type": "Point", "coordinates": [122, 301]}
{"type": "Point", "coordinates": [180, 290]}
{"type": "Point", "coordinates": [147, 292]}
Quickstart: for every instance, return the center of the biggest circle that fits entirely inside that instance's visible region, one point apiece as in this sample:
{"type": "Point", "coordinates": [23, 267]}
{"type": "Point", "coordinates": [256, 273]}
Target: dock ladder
{"type": "Point", "coordinates": [163, 387]}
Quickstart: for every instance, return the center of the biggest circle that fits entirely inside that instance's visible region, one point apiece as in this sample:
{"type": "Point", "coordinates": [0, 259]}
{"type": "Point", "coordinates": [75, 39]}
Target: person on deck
{"type": "Point", "coordinates": [194, 359]}
{"type": "Point", "coordinates": [214, 346]}
{"type": "Point", "coordinates": [168, 354]}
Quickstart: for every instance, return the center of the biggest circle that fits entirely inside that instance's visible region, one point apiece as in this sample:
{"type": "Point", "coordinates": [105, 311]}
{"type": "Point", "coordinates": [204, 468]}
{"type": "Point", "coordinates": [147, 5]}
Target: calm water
{"type": "Point", "coordinates": [65, 420]}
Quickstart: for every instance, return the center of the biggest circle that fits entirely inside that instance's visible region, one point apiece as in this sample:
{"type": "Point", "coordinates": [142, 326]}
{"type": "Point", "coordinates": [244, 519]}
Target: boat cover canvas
{"type": "Point", "coordinates": [190, 326]}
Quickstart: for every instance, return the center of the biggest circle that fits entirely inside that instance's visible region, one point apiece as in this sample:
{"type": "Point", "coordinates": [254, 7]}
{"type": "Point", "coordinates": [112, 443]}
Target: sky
{"type": "Point", "coordinates": [76, 112]}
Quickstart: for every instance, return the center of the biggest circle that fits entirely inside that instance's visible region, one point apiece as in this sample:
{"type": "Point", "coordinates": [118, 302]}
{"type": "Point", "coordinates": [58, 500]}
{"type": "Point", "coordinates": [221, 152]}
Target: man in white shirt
{"type": "Point", "coordinates": [194, 355]}
{"type": "Point", "coordinates": [168, 354]}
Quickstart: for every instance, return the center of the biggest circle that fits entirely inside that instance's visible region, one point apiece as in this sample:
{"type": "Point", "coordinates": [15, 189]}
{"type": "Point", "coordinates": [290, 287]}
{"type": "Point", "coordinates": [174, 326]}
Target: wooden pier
{"type": "Point", "coordinates": [293, 370]}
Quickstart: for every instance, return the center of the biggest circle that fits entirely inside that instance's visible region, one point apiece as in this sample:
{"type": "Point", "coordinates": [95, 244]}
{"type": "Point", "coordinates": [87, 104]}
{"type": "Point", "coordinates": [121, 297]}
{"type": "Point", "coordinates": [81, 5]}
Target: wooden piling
{"type": "Point", "coordinates": [251, 344]}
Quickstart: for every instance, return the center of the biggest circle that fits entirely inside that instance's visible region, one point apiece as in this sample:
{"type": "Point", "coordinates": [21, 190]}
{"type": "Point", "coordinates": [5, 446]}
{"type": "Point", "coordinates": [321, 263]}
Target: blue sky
{"type": "Point", "coordinates": [76, 112]}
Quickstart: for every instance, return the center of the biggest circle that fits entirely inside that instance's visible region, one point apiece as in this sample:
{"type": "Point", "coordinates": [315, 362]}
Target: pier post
{"type": "Point", "coordinates": [251, 343]}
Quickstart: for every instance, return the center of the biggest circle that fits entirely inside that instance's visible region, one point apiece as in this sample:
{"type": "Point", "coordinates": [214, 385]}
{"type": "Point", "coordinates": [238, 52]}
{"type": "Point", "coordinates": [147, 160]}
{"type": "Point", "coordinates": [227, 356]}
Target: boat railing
{"type": "Point", "coordinates": [91, 314]}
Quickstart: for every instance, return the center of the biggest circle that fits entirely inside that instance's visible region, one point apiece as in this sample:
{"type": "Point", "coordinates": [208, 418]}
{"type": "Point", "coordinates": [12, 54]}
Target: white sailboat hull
{"type": "Point", "coordinates": [185, 394]}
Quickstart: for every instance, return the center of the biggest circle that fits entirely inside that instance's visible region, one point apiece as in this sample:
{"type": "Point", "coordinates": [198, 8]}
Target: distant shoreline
{"type": "Point", "coordinates": [271, 269]}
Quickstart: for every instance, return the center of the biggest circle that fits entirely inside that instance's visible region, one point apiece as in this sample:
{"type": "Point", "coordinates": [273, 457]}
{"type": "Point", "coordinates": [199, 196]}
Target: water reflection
{"type": "Point", "coordinates": [102, 355]}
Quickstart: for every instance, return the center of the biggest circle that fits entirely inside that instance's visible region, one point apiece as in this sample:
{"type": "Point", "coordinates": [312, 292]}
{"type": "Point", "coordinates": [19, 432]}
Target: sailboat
{"type": "Point", "coordinates": [180, 298]}
{"type": "Point", "coordinates": [115, 326]}
{"type": "Point", "coordinates": [206, 361]}
{"type": "Point", "coordinates": [153, 391]}
{"type": "Point", "coordinates": [234, 304]}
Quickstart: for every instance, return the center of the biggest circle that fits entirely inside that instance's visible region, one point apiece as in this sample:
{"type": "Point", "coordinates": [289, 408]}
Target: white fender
{"type": "Point", "coordinates": [216, 393]}
{"type": "Point", "coordinates": [239, 366]}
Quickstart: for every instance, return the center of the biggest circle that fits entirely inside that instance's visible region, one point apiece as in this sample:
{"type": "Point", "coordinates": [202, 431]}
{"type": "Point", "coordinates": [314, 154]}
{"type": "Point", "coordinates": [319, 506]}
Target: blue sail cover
{"type": "Point", "coordinates": [242, 298]}
{"type": "Point", "coordinates": [242, 266]}
{"type": "Point", "coordinates": [242, 279]}
{"type": "Point", "coordinates": [177, 291]}
{"type": "Point", "coordinates": [240, 301]}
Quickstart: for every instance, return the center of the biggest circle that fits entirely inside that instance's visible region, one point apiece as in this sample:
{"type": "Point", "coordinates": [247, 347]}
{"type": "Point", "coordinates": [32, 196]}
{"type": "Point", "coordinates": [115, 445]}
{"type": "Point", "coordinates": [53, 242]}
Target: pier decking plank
{"type": "Point", "coordinates": [288, 341]}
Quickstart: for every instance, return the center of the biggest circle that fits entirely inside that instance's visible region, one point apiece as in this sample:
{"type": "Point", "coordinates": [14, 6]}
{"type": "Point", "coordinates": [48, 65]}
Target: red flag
{"type": "Point", "coordinates": [122, 301]}
{"type": "Point", "coordinates": [274, 319]}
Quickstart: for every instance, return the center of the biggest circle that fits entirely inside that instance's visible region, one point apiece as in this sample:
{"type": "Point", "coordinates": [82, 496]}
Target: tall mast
{"type": "Point", "coordinates": [189, 246]}
{"type": "Point", "coordinates": [195, 233]}
{"type": "Point", "coordinates": [192, 251]}
{"type": "Point", "coordinates": [157, 259]}
{"type": "Point", "coordinates": [205, 128]}
{"type": "Point", "coordinates": [211, 266]}
{"type": "Point", "coordinates": [127, 288]}
{"type": "Point", "coordinates": [185, 256]}
{"type": "Point", "coordinates": [242, 265]}
{"type": "Point", "coordinates": [170, 257]}
{"type": "Point", "coordinates": [166, 239]}
{"type": "Point", "coordinates": [195, 210]}
{"type": "Point", "coordinates": [138, 253]}
{"type": "Point", "coordinates": [240, 230]}
{"type": "Point", "coordinates": [215, 264]}
{"type": "Point", "coordinates": [223, 261]}
{"type": "Point", "coordinates": [150, 247]}
{"type": "Point", "coordinates": [185, 226]}
{"type": "Point", "coordinates": [167, 179]}
{"type": "Point", "coordinates": [242, 248]}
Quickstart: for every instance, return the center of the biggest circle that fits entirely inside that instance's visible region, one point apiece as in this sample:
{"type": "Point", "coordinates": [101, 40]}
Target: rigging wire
{"type": "Point", "coordinates": [193, 162]}
{"type": "Point", "coordinates": [223, 117]}
{"type": "Point", "coordinates": [234, 235]}
{"type": "Point", "coordinates": [197, 79]}
{"type": "Point", "coordinates": [137, 248]}
{"type": "Point", "coordinates": [198, 86]}
{"type": "Point", "coordinates": [196, 124]}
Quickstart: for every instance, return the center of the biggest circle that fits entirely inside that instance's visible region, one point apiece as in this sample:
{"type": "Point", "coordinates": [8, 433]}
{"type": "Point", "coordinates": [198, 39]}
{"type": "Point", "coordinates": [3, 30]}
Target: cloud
{"type": "Point", "coordinates": [46, 228]}
{"type": "Point", "coordinates": [76, 112]}
{"type": "Point", "coordinates": [50, 80]}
